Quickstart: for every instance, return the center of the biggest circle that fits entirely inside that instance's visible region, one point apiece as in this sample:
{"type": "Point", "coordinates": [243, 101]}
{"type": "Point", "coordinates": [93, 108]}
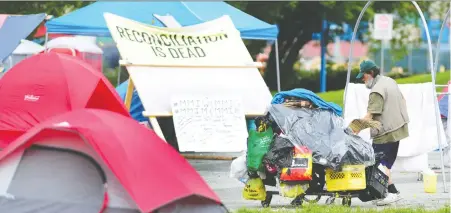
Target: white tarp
{"type": "Point", "coordinates": [214, 43]}
{"type": "Point", "coordinates": [81, 43]}
{"type": "Point", "coordinates": [24, 50]}
{"type": "Point", "coordinates": [422, 126]}
{"type": "Point", "coordinates": [28, 48]}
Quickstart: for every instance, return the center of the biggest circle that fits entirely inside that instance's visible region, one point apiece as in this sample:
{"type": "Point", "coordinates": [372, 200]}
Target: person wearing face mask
{"type": "Point", "coordinates": [387, 105]}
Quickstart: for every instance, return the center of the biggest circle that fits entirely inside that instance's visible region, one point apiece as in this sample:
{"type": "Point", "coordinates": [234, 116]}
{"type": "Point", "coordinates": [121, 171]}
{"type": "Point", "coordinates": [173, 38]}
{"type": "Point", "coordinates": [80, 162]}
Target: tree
{"type": "Point", "coordinates": [297, 22]}
{"type": "Point", "coordinates": [55, 8]}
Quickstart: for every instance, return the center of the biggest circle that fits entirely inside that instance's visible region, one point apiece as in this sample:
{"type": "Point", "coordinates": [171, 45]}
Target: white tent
{"type": "Point", "coordinates": [83, 47]}
{"type": "Point", "coordinates": [24, 50]}
{"type": "Point", "coordinates": [85, 44]}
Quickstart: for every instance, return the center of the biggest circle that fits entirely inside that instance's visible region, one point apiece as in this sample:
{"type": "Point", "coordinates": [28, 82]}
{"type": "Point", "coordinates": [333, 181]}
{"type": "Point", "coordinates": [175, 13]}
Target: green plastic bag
{"type": "Point", "coordinates": [258, 144]}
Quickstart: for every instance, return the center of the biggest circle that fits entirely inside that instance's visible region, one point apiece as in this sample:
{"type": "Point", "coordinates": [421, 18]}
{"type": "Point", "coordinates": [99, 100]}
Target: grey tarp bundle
{"type": "Point", "coordinates": [323, 132]}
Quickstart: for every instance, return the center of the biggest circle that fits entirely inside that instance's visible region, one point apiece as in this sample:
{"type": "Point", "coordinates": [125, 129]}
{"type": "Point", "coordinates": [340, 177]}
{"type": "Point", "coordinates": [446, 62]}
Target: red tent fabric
{"type": "Point", "coordinates": [150, 170]}
{"type": "Point", "coordinates": [49, 84]}
{"type": "Point", "coordinates": [40, 32]}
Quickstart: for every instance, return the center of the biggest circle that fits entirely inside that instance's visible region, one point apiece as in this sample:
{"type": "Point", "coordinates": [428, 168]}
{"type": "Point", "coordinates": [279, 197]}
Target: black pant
{"type": "Point", "coordinates": [390, 151]}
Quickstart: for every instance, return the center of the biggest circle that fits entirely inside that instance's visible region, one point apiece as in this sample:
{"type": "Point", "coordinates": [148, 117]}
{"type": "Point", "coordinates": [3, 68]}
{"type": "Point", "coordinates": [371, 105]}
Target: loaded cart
{"type": "Point", "coordinates": [353, 181]}
{"type": "Point", "coordinates": [306, 152]}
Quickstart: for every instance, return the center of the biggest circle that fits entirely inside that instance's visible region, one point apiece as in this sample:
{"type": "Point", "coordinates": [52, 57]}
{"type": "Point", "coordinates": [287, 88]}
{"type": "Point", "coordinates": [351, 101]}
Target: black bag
{"type": "Point", "coordinates": [281, 153]}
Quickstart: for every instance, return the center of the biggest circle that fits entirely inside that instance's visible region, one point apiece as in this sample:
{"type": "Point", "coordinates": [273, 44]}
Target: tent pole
{"type": "Point", "coordinates": [431, 67]}
{"type": "Point", "coordinates": [156, 127]}
{"type": "Point", "coordinates": [348, 76]}
{"type": "Point", "coordinates": [277, 65]}
{"type": "Point", "coordinates": [118, 75]}
{"type": "Point", "coordinates": [129, 94]}
{"type": "Point", "coordinates": [46, 40]}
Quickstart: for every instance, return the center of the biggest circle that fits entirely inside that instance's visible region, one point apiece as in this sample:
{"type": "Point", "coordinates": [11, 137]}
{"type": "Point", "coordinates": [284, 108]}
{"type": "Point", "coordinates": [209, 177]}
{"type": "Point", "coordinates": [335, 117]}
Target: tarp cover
{"type": "Point", "coordinates": [307, 95]}
{"type": "Point", "coordinates": [324, 134]}
{"type": "Point", "coordinates": [16, 28]}
{"type": "Point", "coordinates": [89, 20]}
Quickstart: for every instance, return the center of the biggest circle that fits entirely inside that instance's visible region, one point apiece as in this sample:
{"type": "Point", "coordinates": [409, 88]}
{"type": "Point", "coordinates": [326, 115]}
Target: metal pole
{"type": "Point", "coordinates": [118, 75]}
{"type": "Point", "coordinates": [323, 72]}
{"type": "Point", "coordinates": [45, 42]}
{"type": "Point", "coordinates": [437, 55]}
{"type": "Point", "coordinates": [348, 77]}
{"type": "Point", "coordinates": [410, 60]}
{"type": "Point", "coordinates": [276, 45]}
{"type": "Point", "coordinates": [382, 56]}
{"type": "Point", "coordinates": [437, 51]}
{"type": "Point", "coordinates": [431, 67]}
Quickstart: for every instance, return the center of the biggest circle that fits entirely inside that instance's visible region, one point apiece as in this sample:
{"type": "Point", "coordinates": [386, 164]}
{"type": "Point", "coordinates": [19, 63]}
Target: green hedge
{"type": "Point", "coordinates": [336, 79]}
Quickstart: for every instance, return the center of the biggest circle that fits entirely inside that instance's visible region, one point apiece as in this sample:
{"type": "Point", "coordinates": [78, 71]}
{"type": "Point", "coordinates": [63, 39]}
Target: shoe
{"type": "Point", "coordinates": [391, 198]}
{"type": "Point", "coordinates": [374, 202]}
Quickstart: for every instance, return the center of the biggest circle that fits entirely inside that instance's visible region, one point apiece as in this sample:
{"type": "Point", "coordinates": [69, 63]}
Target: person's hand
{"type": "Point", "coordinates": [356, 132]}
{"type": "Point", "coordinates": [368, 117]}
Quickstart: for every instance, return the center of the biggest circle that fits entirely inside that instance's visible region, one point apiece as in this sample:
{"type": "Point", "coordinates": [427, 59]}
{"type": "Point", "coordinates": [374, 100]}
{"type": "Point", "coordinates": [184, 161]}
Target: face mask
{"type": "Point", "coordinates": [369, 83]}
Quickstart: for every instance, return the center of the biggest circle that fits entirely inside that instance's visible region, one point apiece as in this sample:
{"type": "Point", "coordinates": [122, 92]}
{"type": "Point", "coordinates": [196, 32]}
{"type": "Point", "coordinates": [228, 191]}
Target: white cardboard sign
{"type": "Point", "coordinates": [209, 124]}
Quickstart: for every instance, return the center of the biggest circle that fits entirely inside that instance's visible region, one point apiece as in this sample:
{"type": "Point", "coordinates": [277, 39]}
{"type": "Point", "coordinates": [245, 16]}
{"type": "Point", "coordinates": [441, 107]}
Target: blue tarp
{"type": "Point", "coordinates": [443, 106]}
{"type": "Point", "coordinates": [136, 107]}
{"type": "Point", "coordinates": [307, 95]}
{"type": "Point", "coordinates": [14, 29]}
{"type": "Point", "coordinates": [89, 20]}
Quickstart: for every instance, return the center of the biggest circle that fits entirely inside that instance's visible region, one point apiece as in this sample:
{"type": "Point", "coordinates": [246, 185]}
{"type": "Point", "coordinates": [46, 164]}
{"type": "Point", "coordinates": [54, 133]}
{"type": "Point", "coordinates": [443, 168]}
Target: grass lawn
{"type": "Point", "coordinates": [442, 79]}
{"type": "Point", "coordinates": [341, 209]}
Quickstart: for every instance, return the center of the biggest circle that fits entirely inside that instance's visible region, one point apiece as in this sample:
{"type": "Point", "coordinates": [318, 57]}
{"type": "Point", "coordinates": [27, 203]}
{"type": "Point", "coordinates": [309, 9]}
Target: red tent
{"type": "Point", "coordinates": [49, 84]}
{"type": "Point", "coordinates": [153, 174]}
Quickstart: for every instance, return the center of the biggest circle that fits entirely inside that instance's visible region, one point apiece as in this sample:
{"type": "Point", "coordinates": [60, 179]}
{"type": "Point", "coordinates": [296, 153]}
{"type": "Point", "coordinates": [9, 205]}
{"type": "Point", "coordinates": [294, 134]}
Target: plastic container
{"type": "Point", "coordinates": [376, 184]}
{"type": "Point", "coordinates": [351, 178]}
{"type": "Point", "coordinates": [430, 181]}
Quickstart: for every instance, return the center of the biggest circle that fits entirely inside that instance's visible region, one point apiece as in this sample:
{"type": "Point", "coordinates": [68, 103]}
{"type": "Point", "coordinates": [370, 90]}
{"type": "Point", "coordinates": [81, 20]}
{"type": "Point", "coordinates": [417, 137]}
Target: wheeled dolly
{"type": "Point", "coordinates": [269, 194]}
{"type": "Point", "coordinates": [298, 201]}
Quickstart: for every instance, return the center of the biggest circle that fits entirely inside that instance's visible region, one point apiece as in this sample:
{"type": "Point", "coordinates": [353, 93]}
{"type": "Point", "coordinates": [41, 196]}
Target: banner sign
{"type": "Point", "coordinates": [141, 43]}
{"type": "Point", "coordinates": [192, 49]}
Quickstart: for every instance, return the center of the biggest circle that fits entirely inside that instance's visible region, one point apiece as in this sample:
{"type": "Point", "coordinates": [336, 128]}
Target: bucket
{"type": "Point", "coordinates": [430, 181]}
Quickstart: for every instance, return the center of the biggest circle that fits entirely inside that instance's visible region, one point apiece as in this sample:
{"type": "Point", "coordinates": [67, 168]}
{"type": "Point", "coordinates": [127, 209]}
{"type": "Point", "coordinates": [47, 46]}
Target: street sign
{"type": "Point", "coordinates": [383, 26]}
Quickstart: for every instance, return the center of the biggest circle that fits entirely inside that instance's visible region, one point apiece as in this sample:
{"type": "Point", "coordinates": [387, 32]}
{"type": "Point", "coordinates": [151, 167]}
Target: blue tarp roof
{"type": "Point", "coordinates": [14, 29]}
{"type": "Point", "coordinates": [89, 20]}
{"type": "Point", "coordinates": [136, 107]}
